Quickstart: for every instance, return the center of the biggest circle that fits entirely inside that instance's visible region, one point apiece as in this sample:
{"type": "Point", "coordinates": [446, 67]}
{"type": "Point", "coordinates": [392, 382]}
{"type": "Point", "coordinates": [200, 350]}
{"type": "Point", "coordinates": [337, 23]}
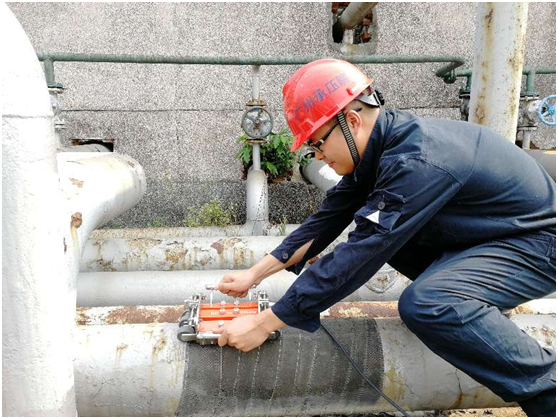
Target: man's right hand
{"type": "Point", "coordinates": [237, 284]}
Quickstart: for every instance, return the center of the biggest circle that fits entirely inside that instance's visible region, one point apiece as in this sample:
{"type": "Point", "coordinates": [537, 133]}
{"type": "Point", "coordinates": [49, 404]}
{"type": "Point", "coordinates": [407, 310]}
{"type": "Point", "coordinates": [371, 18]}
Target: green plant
{"type": "Point", "coordinates": [275, 155]}
{"type": "Point", "coordinates": [283, 226]}
{"type": "Point", "coordinates": [304, 159]}
{"type": "Point", "coordinates": [157, 222]}
{"type": "Point", "coordinates": [209, 214]}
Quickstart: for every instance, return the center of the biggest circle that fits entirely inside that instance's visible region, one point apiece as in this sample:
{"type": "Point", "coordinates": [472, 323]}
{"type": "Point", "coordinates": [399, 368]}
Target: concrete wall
{"type": "Point", "coordinates": [181, 122]}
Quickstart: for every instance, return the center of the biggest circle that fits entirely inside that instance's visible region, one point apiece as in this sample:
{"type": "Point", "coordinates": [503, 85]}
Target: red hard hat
{"type": "Point", "coordinates": [317, 92]}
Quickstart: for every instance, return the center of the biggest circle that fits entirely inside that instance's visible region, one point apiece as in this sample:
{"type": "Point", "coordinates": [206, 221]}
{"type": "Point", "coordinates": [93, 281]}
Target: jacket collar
{"type": "Point", "coordinates": [367, 169]}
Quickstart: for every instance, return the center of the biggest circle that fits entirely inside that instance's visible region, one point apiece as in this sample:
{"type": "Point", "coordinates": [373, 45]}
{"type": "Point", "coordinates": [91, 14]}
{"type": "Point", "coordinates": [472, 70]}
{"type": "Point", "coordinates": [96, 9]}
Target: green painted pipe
{"type": "Point", "coordinates": [529, 72]}
{"type": "Point", "coordinates": [50, 58]}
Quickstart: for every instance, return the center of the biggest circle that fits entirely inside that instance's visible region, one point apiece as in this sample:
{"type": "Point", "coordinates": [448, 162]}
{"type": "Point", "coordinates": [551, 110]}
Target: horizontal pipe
{"type": "Point", "coordinates": [161, 59]}
{"type": "Point", "coordinates": [99, 289]}
{"type": "Point", "coordinates": [143, 370]}
{"type": "Point", "coordinates": [467, 72]}
{"type": "Point", "coordinates": [147, 314]}
{"type": "Point", "coordinates": [85, 148]}
{"type": "Point", "coordinates": [102, 289]}
{"type": "Point", "coordinates": [179, 253]}
{"type": "Point", "coordinates": [546, 158]}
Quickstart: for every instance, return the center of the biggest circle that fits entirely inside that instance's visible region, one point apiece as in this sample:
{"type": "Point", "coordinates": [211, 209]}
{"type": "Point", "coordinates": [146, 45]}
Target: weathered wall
{"type": "Point", "coordinates": [181, 122]}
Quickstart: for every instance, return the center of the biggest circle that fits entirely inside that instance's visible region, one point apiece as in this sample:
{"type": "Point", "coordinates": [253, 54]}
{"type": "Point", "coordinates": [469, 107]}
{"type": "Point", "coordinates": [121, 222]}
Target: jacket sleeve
{"type": "Point", "coordinates": [334, 215]}
{"type": "Point", "coordinates": [408, 193]}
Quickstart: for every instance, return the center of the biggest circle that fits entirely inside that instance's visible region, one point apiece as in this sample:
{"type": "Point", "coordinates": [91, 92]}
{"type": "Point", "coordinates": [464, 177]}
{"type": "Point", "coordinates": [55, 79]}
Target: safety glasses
{"type": "Point", "coordinates": [316, 146]}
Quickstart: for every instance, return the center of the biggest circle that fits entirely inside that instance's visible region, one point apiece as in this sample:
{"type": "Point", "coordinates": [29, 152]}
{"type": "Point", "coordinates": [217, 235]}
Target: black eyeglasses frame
{"type": "Point", "coordinates": [316, 146]}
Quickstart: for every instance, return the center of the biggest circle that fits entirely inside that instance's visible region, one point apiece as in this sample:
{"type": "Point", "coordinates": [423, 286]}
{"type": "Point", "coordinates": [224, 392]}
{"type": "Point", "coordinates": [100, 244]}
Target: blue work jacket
{"type": "Point", "coordinates": [438, 184]}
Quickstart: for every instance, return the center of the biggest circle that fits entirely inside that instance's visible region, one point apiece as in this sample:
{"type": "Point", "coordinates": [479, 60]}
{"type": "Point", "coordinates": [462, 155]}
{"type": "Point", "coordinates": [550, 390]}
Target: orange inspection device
{"type": "Point", "coordinates": [199, 319]}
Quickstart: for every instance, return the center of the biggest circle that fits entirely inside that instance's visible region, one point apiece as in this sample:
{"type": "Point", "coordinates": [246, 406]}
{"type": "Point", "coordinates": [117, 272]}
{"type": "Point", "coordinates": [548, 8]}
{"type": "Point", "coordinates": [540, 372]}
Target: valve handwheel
{"type": "Point", "coordinates": [257, 122]}
{"type": "Point", "coordinates": [547, 110]}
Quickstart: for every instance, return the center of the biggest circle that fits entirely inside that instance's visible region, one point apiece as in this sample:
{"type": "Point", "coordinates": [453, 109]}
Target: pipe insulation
{"type": "Point", "coordinates": [257, 206]}
{"type": "Point", "coordinates": [98, 187]}
{"type": "Point", "coordinates": [37, 284]}
{"type": "Point", "coordinates": [143, 370]}
{"type": "Point", "coordinates": [320, 175]}
{"type": "Point", "coordinates": [102, 289]}
{"type": "Point", "coordinates": [498, 66]}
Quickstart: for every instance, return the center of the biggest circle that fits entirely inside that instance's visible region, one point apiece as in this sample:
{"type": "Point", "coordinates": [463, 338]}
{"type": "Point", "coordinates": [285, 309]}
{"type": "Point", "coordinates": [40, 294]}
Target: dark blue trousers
{"type": "Point", "coordinates": [454, 307]}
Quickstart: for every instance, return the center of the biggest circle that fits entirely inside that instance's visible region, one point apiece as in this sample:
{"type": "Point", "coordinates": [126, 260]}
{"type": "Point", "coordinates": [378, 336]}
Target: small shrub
{"type": "Point", "coordinates": [210, 214]}
{"type": "Point", "coordinates": [275, 155]}
{"type": "Point", "coordinates": [157, 222]}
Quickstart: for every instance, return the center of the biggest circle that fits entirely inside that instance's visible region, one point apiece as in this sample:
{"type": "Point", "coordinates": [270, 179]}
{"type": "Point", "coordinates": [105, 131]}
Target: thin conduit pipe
{"type": "Point", "coordinates": [50, 58]}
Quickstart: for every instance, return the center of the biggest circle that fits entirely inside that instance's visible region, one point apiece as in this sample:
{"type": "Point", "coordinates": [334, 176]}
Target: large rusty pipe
{"type": "Point", "coordinates": [143, 370]}
{"type": "Point", "coordinates": [498, 66]}
{"type": "Point", "coordinates": [178, 253]}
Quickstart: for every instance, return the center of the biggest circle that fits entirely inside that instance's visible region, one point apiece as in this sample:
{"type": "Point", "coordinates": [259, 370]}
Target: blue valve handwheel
{"type": "Point", "coordinates": [547, 110]}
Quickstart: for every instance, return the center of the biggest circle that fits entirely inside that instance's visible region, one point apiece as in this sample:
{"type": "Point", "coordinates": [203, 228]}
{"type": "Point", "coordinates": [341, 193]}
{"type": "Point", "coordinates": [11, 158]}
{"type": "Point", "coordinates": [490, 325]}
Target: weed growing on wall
{"type": "Point", "coordinates": [276, 158]}
{"type": "Point", "coordinates": [210, 214]}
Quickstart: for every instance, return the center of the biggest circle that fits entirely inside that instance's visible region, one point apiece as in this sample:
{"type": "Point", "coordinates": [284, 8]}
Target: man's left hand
{"type": "Point", "coordinates": [248, 332]}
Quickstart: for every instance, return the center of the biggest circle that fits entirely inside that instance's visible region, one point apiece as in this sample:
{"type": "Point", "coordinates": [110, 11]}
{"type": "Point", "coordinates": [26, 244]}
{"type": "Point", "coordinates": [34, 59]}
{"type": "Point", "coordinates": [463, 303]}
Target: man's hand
{"type": "Point", "coordinates": [249, 332]}
{"type": "Point", "coordinates": [237, 283]}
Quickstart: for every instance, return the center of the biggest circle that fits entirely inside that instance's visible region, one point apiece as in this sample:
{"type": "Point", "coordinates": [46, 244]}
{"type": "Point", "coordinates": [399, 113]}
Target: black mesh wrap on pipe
{"type": "Point", "coordinates": [301, 374]}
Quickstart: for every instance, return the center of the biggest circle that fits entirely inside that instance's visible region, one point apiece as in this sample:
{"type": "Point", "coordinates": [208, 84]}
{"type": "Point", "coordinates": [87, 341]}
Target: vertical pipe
{"type": "Point", "coordinates": [256, 156]}
{"type": "Point", "coordinates": [526, 145]}
{"type": "Point", "coordinates": [255, 82]}
{"type": "Point", "coordinates": [256, 97]}
{"type": "Point", "coordinates": [38, 291]}
{"type": "Point", "coordinates": [498, 66]}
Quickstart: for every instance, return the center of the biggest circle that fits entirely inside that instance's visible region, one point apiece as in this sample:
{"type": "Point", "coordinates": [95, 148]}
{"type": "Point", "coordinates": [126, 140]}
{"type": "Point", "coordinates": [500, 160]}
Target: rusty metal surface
{"type": "Point", "coordinates": [86, 316]}
{"type": "Point", "coordinates": [347, 310]}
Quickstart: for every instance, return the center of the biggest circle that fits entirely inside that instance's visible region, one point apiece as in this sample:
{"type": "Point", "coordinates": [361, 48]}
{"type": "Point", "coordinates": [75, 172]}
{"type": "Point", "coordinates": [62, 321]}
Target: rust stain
{"type": "Point", "coordinates": [364, 310]}
{"type": "Point", "coordinates": [488, 17]}
{"type": "Point", "coordinates": [218, 245]}
{"type": "Point", "coordinates": [77, 220]}
{"type": "Point", "coordinates": [77, 182]}
{"type": "Point", "coordinates": [139, 315]}
{"type": "Point", "coordinates": [394, 386]}
{"type": "Point", "coordinates": [549, 336]}
{"type": "Point", "coordinates": [106, 265]}
{"type": "Point", "coordinates": [159, 346]}
{"type": "Point", "coordinates": [120, 348]}
{"type": "Point", "coordinates": [81, 316]}
{"type": "Point", "coordinates": [131, 164]}
{"type": "Point", "coordinates": [458, 402]}
{"type": "Point", "coordinates": [175, 256]}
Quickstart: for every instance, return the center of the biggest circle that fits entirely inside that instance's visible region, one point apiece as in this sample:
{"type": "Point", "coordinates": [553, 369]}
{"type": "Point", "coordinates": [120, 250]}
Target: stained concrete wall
{"type": "Point", "coordinates": [181, 122]}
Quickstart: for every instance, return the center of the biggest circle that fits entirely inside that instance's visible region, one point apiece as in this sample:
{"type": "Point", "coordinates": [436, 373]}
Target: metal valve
{"type": "Point", "coordinates": [547, 110]}
{"type": "Point", "coordinates": [257, 122]}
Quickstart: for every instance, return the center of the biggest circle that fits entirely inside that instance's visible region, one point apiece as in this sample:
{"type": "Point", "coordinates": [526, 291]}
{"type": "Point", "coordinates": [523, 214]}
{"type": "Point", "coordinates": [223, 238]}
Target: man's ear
{"type": "Point", "coordinates": [354, 120]}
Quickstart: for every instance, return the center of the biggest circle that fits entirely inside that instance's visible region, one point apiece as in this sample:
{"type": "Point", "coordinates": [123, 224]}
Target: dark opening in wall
{"type": "Point", "coordinates": [362, 33]}
{"type": "Point", "coordinates": [105, 142]}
